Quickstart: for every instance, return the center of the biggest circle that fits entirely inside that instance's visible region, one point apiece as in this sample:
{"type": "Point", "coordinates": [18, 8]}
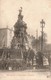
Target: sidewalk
{"type": "Point", "coordinates": [24, 75]}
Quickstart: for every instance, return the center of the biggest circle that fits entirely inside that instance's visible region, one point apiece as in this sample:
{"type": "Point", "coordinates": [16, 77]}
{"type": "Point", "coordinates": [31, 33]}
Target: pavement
{"type": "Point", "coordinates": [25, 75]}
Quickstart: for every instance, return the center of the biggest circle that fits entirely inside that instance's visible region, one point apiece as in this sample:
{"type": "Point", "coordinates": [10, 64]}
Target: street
{"type": "Point", "coordinates": [24, 75]}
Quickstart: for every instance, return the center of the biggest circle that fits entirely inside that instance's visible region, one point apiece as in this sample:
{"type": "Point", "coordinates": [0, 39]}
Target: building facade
{"type": "Point", "coordinates": [6, 35]}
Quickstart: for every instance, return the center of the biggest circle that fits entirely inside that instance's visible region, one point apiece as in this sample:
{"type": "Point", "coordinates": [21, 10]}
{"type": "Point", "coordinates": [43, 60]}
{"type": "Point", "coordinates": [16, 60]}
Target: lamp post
{"type": "Point", "coordinates": [42, 22]}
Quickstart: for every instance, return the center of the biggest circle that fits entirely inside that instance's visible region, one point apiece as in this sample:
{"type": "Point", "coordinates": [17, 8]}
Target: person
{"type": "Point", "coordinates": [50, 65]}
{"type": "Point", "coordinates": [49, 74]}
{"type": "Point", "coordinates": [31, 55]}
{"type": "Point", "coordinates": [39, 59]}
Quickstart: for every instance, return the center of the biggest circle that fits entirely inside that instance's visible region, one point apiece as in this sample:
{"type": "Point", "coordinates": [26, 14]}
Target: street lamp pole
{"type": "Point", "coordinates": [42, 22]}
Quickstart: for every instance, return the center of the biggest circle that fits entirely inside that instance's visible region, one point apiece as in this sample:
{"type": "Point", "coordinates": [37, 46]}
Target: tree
{"type": "Point", "coordinates": [36, 43]}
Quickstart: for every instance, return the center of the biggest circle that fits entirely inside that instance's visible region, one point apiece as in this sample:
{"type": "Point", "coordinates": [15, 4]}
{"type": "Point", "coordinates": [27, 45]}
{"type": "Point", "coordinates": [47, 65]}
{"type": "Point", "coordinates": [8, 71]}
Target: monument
{"type": "Point", "coordinates": [20, 35]}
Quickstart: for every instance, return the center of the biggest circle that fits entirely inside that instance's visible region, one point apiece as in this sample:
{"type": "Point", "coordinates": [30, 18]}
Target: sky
{"type": "Point", "coordinates": [33, 10]}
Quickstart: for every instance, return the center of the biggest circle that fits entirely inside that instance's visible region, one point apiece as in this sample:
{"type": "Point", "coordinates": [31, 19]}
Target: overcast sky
{"type": "Point", "coordinates": [33, 11]}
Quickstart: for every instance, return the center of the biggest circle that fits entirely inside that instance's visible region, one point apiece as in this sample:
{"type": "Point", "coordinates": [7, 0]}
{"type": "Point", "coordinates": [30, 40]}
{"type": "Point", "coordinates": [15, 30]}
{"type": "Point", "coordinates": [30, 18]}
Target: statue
{"type": "Point", "coordinates": [20, 16]}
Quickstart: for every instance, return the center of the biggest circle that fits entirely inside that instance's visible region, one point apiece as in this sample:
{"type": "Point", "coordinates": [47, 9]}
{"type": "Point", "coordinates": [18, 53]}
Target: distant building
{"type": "Point", "coordinates": [6, 35]}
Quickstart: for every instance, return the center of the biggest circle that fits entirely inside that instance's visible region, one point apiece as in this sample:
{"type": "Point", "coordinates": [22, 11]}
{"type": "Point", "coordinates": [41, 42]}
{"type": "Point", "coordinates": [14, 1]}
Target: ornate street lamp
{"type": "Point", "coordinates": [42, 22]}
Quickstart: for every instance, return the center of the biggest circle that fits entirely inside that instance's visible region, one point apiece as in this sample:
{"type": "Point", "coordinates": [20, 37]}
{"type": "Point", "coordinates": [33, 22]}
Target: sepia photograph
{"type": "Point", "coordinates": [25, 39]}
